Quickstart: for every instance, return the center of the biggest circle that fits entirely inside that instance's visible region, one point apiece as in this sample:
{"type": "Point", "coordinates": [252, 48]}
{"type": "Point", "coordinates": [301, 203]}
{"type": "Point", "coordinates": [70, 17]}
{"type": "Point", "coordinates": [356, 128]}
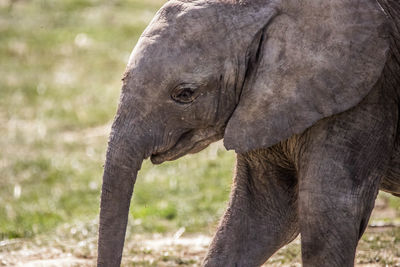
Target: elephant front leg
{"type": "Point", "coordinates": [261, 217]}
{"type": "Point", "coordinates": [339, 178]}
{"type": "Point", "coordinates": [334, 212]}
{"type": "Point", "coordinates": [331, 225]}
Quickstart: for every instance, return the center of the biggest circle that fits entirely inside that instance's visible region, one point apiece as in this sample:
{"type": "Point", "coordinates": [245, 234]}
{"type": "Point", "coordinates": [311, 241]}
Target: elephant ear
{"type": "Point", "coordinates": [315, 58]}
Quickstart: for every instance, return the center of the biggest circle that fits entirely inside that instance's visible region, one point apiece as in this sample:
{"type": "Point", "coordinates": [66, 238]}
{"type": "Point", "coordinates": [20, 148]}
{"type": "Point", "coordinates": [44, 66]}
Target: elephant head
{"type": "Point", "coordinates": [251, 72]}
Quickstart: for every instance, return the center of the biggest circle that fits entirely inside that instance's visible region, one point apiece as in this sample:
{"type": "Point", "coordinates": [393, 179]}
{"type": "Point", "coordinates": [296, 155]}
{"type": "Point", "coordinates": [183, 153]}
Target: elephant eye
{"type": "Point", "coordinates": [184, 94]}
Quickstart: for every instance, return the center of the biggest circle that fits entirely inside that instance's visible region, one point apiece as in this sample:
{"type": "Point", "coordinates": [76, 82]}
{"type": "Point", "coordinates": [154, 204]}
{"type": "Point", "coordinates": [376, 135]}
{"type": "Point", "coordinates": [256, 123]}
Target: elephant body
{"type": "Point", "coordinates": [319, 183]}
{"type": "Point", "coordinates": [306, 92]}
{"type": "Point", "coordinates": [391, 180]}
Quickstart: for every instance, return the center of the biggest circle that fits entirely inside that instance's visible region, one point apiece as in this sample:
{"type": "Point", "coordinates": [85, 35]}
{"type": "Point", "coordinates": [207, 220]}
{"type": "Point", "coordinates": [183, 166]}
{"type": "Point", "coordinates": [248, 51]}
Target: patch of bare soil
{"type": "Point", "coordinates": [380, 246]}
{"type": "Point", "coordinates": [41, 257]}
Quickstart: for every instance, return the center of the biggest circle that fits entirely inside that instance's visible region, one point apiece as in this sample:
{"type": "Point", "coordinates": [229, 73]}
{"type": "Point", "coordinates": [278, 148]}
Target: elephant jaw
{"type": "Point", "coordinates": [191, 142]}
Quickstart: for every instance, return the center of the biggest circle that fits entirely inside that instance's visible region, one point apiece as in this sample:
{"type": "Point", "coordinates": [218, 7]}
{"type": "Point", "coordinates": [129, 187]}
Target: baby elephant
{"type": "Point", "coordinates": [307, 94]}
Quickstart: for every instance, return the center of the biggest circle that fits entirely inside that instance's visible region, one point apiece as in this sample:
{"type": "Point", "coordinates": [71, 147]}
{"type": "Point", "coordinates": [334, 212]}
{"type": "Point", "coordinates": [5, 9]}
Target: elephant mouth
{"type": "Point", "coordinates": [190, 142]}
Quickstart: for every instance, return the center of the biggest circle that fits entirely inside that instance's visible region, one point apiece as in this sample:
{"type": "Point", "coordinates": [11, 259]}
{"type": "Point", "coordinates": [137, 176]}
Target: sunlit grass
{"type": "Point", "coordinates": [189, 193]}
{"type": "Point", "coordinates": [61, 67]}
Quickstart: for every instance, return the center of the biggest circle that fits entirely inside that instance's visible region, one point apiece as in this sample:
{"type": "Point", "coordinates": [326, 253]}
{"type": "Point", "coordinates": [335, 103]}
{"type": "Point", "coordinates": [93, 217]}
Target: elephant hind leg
{"type": "Point", "coordinates": [262, 214]}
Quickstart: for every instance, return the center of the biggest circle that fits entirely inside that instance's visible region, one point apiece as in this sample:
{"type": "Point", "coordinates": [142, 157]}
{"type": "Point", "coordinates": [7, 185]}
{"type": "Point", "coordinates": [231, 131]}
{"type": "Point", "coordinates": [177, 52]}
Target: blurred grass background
{"type": "Point", "coordinates": [60, 67]}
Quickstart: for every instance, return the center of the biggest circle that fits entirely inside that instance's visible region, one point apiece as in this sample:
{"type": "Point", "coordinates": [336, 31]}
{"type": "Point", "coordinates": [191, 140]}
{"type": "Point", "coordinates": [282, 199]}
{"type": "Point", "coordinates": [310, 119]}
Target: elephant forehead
{"type": "Point", "coordinates": [153, 60]}
{"type": "Point", "coordinates": [194, 22]}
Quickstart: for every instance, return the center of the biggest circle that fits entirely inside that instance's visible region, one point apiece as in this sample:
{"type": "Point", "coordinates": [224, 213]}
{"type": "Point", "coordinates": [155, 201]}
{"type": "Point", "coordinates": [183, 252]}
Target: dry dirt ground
{"type": "Point", "coordinates": [380, 246]}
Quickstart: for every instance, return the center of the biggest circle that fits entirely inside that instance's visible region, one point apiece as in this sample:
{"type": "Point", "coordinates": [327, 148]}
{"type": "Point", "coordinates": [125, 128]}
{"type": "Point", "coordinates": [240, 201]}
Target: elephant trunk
{"type": "Point", "coordinates": [123, 161]}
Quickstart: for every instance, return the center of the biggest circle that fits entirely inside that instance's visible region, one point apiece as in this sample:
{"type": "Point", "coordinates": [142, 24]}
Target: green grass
{"type": "Point", "coordinates": [189, 193]}
{"type": "Point", "coordinates": [60, 66]}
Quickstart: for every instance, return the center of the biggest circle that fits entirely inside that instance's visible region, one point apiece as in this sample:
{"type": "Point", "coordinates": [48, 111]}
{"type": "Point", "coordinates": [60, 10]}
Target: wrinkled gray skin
{"type": "Point", "coordinates": [307, 94]}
